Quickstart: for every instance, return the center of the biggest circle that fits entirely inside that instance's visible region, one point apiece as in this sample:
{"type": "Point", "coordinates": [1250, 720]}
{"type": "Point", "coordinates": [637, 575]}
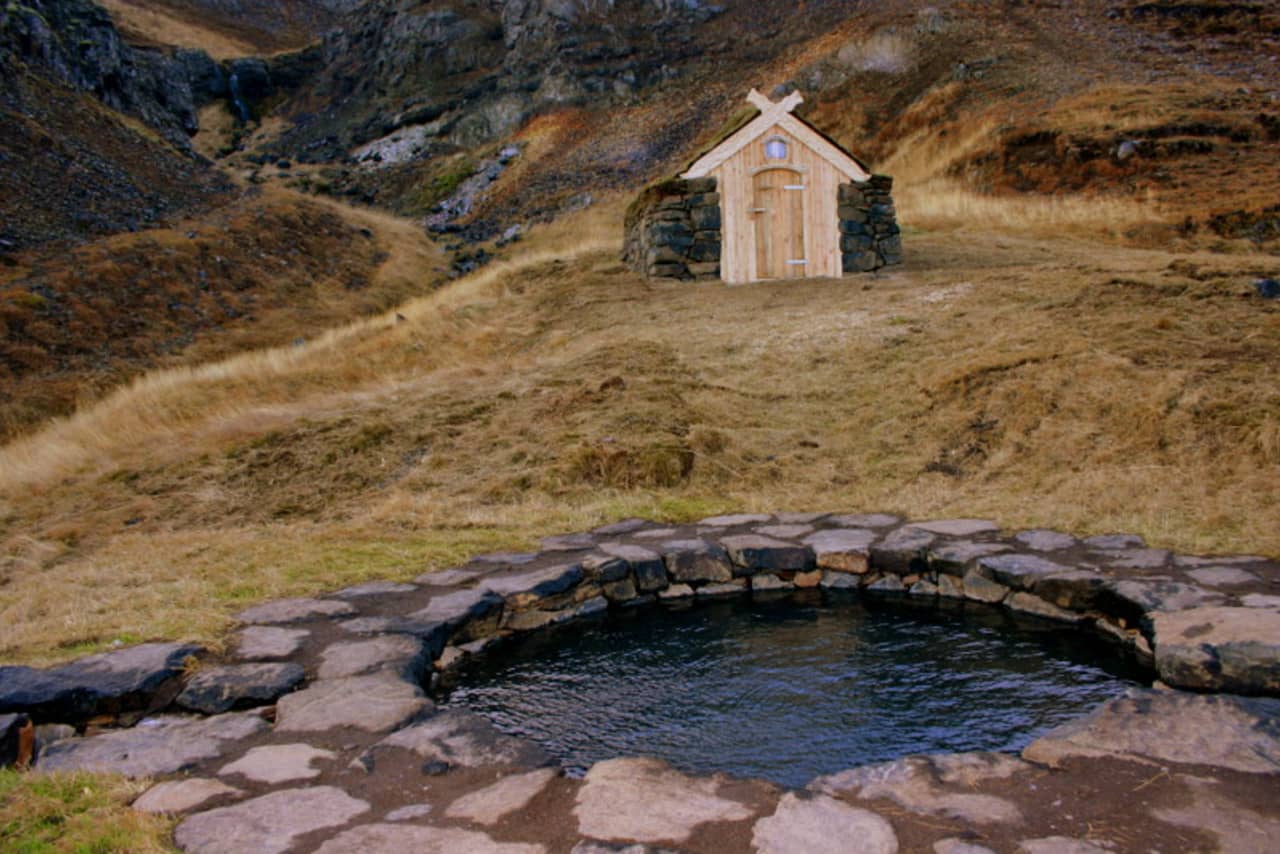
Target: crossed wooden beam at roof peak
{"type": "Point", "coordinates": [778, 109]}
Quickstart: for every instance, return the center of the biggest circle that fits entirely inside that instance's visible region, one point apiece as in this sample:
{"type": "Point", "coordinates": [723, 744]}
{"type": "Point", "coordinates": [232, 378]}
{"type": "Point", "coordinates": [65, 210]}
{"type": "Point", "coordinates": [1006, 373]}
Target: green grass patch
{"type": "Point", "coordinates": [81, 813]}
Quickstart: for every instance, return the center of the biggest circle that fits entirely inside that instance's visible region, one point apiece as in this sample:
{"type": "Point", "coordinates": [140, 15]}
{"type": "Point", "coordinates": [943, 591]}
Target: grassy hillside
{"type": "Point", "coordinates": [1038, 380]}
{"type": "Point", "coordinates": [262, 270]}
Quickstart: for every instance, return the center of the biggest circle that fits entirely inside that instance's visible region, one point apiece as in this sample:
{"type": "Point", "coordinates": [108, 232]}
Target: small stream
{"type": "Point", "coordinates": [790, 688]}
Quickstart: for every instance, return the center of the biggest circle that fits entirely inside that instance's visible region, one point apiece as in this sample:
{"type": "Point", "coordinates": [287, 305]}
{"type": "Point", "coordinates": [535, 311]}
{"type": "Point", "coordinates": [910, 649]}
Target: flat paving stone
{"type": "Point", "coordinates": [527, 587]}
{"type": "Point", "coordinates": [785, 532]}
{"type": "Point", "coordinates": [1241, 733]}
{"type": "Point", "coordinates": [451, 577]}
{"type": "Point", "coordinates": [238, 686]}
{"type": "Point", "coordinates": [379, 702]}
{"type": "Point", "coordinates": [458, 607]}
{"type": "Point", "coordinates": [1237, 828]}
{"type": "Point", "coordinates": [953, 845]}
{"type": "Point", "coordinates": [404, 654]}
{"type": "Point", "coordinates": [956, 527]}
{"type": "Point", "coordinates": [1041, 540]}
{"type": "Point", "coordinates": [1134, 599]}
{"type": "Point", "coordinates": [409, 813]}
{"type": "Point", "coordinates": [1107, 542]}
{"type": "Point", "coordinates": [1018, 571]}
{"type": "Point", "coordinates": [1219, 649]}
{"type": "Point", "coordinates": [404, 838]}
{"type": "Point", "coordinates": [865, 520]}
{"type": "Point", "coordinates": [934, 785]}
{"type": "Point", "coordinates": [278, 763]}
{"type": "Point", "coordinates": [1138, 558]}
{"type": "Point", "coordinates": [257, 643]}
{"type": "Point", "coordinates": [490, 805]}
{"type": "Point", "coordinates": [956, 557]}
{"type": "Point", "coordinates": [656, 534]}
{"type": "Point", "coordinates": [805, 824]}
{"type": "Point", "coordinates": [175, 797]}
{"type": "Point", "coordinates": [621, 527]}
{"type": "Point", "coordinates": [294, 611]}
{"type": "Point", "coordinates": [465, 740]}
{"type": "Point", "coordinates": [269, 824]}
{"type": "Point", "coordinates": [1062, 845]}
{"type": "Point", "coordinates": [374, 588]}
{"type": "Point", "coordinates": [735, 519]}
{"type": "Point", "coordinates": [646, 800]}
{"type": "Point", "coordinates": [1222, 576]}
{"type": "Point", "coordinates": [163, 745]}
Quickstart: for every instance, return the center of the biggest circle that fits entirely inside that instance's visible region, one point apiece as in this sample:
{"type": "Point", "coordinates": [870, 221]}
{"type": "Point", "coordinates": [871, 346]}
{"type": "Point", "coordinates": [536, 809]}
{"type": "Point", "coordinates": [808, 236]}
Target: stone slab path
{"type": "Point", "coordinates": [314, 733]}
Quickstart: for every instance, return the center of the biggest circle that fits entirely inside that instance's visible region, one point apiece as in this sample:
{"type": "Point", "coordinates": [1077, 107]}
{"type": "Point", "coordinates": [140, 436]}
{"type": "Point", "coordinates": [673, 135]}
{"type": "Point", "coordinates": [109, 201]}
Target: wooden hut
{"type": "Point", "coordinates": [775, 199]}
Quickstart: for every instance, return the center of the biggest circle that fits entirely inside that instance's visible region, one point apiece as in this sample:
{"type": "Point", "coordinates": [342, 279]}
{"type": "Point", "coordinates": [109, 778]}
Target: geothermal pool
{"type": "Point", "coordinates": [791, 687]}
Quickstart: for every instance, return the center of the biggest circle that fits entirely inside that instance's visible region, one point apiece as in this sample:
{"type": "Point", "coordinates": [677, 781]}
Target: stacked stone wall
{"type": "Point", "coordinates": [673, 230]}
{"type": "Point", "coordinates": [869, 234]}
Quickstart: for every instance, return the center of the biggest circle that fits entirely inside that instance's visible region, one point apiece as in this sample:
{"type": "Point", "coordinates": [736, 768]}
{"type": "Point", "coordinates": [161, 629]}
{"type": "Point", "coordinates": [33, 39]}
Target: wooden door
{"type": "Point", "coordinates": [779, 214]}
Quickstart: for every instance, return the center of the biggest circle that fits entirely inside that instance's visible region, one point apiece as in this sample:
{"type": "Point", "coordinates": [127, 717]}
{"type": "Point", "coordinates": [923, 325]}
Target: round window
{"type": "Point", "coordinates": [776, 149]}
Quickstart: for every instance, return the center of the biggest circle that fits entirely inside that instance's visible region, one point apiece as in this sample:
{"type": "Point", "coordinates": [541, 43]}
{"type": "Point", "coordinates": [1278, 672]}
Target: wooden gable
{"type": "Point", "coordinates": [774, 117]}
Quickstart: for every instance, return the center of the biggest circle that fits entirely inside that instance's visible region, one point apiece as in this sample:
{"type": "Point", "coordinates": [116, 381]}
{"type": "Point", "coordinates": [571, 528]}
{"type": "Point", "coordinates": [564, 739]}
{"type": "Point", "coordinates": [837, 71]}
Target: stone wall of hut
{"type": "Point", "coordinates": [673, 230]}
{"type": "Point", "coordinates": [869, 235]}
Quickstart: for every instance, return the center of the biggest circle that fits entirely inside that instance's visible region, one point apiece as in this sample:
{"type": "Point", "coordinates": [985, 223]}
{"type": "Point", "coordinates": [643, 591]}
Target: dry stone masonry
{"type": "Point", "coordinates": [315, 733]}
{"type": "Point", "coordinates": [869, 234]}
{"type": "Point", "coordinates": [673, 230]}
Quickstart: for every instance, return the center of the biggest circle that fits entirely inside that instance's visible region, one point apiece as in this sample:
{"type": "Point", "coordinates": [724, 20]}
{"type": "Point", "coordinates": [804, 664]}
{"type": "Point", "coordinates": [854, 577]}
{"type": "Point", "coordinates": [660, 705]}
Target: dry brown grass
{"type": "Point", "coordinates": [160, 26]}
{"type": "Point", "coordinates": [1075, 384]}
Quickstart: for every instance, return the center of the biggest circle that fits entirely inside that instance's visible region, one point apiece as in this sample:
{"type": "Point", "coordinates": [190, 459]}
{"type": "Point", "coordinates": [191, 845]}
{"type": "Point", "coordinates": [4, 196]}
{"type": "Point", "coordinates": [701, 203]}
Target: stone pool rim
{"type": "Point", "coordinates": [1209, 625]}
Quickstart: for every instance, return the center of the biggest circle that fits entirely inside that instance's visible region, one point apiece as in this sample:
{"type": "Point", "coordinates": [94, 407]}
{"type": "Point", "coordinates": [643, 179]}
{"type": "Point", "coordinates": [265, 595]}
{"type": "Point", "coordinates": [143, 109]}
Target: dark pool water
{"type": "Point", "coordinates": [789, 688]}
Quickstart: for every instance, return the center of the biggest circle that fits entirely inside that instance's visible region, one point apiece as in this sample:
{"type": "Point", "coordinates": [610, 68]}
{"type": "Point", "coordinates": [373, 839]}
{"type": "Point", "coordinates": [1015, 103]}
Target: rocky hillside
{"type": "Point", "coordinates": [478, 118]}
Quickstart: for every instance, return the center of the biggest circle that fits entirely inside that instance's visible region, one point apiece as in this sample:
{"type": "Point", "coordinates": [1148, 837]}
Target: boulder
{"type": "Point", "coordinates": [903, 552]}
{"type": "Point", "coordinates": [752, 553]}
{"type": "Point", "coordinates": [124, 680]}
{"type": "Point", "coordinates": [696, 560]}
{"type": "Point", "coordinates": [239, 686]}
{"type": "Point", "coordinates": [842, 549]}
{"type": "Point", "coordinates": [648, 566]}
{"type": "Point", "coordinates": [1076, 589]}
{"type": "Point", "coordinates": [1219, 649]}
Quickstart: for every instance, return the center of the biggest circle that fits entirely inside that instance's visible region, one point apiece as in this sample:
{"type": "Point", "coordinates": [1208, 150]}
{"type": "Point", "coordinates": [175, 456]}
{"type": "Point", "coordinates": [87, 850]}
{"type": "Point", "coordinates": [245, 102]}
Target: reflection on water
{"type": "Point", "coordinates": [789, 688]}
